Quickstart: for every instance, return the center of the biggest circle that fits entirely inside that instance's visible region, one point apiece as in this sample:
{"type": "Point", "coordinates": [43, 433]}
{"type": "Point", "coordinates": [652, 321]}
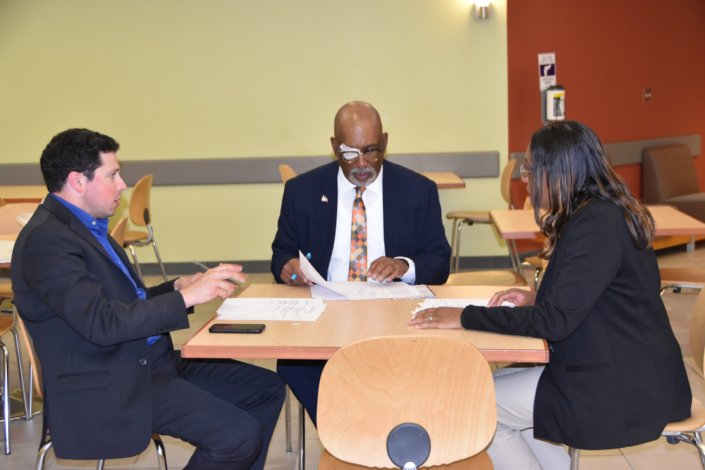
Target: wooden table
{"type": "Point", "coordinates": [344, 322]}
{"type": "Point", "coordinates": [445, 179]}
{"type": "Point", "coordinates": [520, 224]}
{"type": "Point", "coordinates": [15, 194]}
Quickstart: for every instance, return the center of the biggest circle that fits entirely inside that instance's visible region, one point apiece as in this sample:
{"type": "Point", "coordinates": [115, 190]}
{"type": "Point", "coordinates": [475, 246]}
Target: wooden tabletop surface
{"type": "Point", "coordinates": [344, 322]}
{"type": "Point", "coordinates": [520, 224]}
{"type": "Point", "coordinates": [445, 179]}
{"type": "Point", "coordinates": [15, 194]}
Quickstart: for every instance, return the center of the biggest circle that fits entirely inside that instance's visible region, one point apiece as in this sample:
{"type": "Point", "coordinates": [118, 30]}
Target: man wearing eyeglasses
{"type": "Point", "coordinates": [360, 218]}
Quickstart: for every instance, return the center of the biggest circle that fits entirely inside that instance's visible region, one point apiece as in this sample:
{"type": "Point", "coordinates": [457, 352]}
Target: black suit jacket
{"type": "Point", "coordinates": [413, 226]}
{"type": "Point", "coordinates": [89, 329]}
{"type": "Point", "coordinates": [616, 374]}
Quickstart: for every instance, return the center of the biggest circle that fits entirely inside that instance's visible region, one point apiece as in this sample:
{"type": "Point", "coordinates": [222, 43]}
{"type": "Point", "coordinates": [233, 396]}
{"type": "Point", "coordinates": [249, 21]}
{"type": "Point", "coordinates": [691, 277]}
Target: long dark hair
{"type": "Point", "coordinates": [570, 158]}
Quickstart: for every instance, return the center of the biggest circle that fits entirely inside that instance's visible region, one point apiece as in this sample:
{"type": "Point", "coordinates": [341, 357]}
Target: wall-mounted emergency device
{"type": "Point", "coordinates": [555, 103]}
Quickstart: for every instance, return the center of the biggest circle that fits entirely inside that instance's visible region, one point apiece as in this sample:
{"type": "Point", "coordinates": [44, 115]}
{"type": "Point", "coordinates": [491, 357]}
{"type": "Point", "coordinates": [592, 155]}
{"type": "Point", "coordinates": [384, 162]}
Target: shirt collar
{"type": "Point", "coordinates": [97, 226]}
{"type": "Point", "coordinates": [375, 187]}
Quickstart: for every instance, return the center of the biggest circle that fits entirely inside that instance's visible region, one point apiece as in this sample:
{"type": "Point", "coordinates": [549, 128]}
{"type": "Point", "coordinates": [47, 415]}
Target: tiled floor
{"type": "Point", "coordinates": [654, 455]}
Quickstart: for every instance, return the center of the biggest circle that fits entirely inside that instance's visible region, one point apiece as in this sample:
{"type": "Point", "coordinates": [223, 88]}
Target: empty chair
{"type": "Point", "coordinates": [480, 217]}
{"type": "Point", "coordinates": [140, 215]}
{"type": "Point", "coordinates": [677, 278]}
{"type": "Point", "coordinates": [286, 172]}
{"type": "Point", "coordinates": [118, 232]}
{"type": "Point", "coordinates": [486, 278]}
{"type": "Point", "coordinates": [406, 401]}
{"type": "Point", "coordinates": [7, 325]}
{"type": "Point", "coordinates": [669, 177]}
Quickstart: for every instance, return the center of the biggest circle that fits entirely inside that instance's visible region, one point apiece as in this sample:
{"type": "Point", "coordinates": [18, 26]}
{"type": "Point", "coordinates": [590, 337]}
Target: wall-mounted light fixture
{"type": "Point", "coordinates": [482, 9]}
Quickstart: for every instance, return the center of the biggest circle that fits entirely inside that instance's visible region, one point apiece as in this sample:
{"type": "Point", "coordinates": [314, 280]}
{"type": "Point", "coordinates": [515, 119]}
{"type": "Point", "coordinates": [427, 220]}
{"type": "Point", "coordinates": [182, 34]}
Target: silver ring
{"type": "Point", "coordinates": [430, 318]}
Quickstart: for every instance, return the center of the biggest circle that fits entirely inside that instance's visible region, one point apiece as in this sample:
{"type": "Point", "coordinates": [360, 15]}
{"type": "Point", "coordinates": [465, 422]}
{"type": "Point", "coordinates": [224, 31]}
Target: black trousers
{"type": "Point", "coordinates": [226, 409]}
{"type": "Point", "coordinates": [303, 378]}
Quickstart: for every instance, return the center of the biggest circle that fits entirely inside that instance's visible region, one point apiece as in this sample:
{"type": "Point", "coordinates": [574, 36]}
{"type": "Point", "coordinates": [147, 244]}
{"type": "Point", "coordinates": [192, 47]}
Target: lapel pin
{"type": "Point", "coordinates": [324, 198]}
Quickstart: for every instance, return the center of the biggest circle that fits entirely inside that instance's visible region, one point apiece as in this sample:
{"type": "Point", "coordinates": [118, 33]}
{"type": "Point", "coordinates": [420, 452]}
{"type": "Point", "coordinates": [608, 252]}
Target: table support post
{"type": "Point", "coordinates": [691, 246]}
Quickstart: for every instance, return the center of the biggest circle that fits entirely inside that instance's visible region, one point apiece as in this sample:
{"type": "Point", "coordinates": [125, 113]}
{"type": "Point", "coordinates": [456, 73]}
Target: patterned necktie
{"type": "Point", "coordinates": [358, 241]}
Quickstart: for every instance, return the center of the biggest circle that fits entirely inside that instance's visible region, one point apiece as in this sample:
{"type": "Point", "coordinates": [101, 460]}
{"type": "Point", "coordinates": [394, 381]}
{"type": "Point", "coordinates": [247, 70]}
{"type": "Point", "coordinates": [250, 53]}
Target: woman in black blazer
{"type": "Point", "coordinates": [615, 376]}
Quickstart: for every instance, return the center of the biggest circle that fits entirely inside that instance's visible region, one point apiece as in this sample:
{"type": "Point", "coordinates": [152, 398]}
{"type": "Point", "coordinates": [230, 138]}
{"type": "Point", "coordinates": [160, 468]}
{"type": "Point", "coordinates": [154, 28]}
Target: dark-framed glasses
{"type": "Point", "coordinates": [351, 154]}
{"type": "Point", "coordinates": [524, 171]}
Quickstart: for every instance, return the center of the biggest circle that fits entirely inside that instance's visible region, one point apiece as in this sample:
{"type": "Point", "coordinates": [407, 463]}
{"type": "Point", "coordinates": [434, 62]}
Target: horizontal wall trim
{"type": "Point", "coordinates": [260, 170]}
{"type": "Point", "coordinates": [629, 153]}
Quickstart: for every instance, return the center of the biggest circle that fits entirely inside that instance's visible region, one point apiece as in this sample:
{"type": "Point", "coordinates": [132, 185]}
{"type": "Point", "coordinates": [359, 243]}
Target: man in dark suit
{"type": "Point", "coordinates": [359, 218]}
{"type": "Point", "coordinates": [111, 375]}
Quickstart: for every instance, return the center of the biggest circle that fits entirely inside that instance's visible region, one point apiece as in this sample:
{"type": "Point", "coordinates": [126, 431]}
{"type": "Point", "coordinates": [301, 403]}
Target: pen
{"type": "Point", "coordinates": [293, 278]}
{"type": "Point", "coordinates": [206, 268]}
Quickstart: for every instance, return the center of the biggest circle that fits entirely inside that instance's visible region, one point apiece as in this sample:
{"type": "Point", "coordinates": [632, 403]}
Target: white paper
{"type": "Point", "coordinates": [6, 247]}
{"type": "Point", "coordinates": [271, 309]}
{"type": "Point", "coordinates": [357, 290]}
{"type": "Point", "coordinates": [454, 303]}
{"type": "Point", "coordinates": [320, 292]}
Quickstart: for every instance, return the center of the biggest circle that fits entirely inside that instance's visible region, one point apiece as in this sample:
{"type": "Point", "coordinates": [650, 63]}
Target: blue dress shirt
{"type": "Point", "coordinates": [99, 228]}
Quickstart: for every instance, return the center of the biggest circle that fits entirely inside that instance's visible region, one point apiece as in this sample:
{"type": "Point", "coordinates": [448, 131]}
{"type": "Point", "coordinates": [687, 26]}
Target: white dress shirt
{"type": "Point", "coordinates": [339, 266]}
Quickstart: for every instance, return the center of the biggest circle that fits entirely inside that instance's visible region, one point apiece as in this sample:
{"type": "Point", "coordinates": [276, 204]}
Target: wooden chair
{"type": "Point", "coordinates": [118, 232]}
{"type": "Point", "coordinates": [695, 425]}
{"type": "Point", "coordinates": [7, 324]}
{"type": "Point", "coordinates": [8, 213]}
{"type": "Point", "coordinates": [286, 172]}
{"type": "Point", "coordinates": [678, 278]}
{"type": "Point", "coordinates": [141, 215]}
{"type": "Point", "coordinates": [440, 389]}
{"type": "Point", "coordinates": [481, 217]}
{"type": "Point", "coordinates": [2, 202]}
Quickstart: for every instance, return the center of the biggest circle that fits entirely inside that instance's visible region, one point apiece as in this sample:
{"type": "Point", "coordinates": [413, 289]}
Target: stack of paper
{"type": "Point", "coordinates": [455, 303]}
{"type": "Point", "coordinates": [360, 290]}
{"type": "Point", "coordinates": [271, 309]}
{"type": "Point", "coordinates": [6, 250]}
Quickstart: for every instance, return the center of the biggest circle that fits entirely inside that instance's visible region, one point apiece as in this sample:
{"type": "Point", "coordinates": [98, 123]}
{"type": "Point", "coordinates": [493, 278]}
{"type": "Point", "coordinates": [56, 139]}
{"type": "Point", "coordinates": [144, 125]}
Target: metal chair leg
{"type": "Point", "coordinates": [536, 278]}
{"type": "Point", "coordinates": [137, 263]}
{"type": "Point", "coordinates": [6, 394]}
{"type": "Point", "coordinates": [19, 367]}
{"type": "Point", "coordinates": [452, 243]}
{"type": "Point", "coordinates": [302, 437]}
{"type": "Point", "coordinates": [457, 244]}
{"type": "Point", "coordinates": [161, 453]}
{"type": "Point", "coordinates": [42, 455]}
{"type": "Point", "coordinates": [100, 465]}
{"type": "Point", "coordinates": [30, 392]}
{"type": "Point", "coordinates": [574, 457]}
{"type": "Point", "coordinates": [159, 258]}
{"type": "Point", "coordinates": [287, 419]}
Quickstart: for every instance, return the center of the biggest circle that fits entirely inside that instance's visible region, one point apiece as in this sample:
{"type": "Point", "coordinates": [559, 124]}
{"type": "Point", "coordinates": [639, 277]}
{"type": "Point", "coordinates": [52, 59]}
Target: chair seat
{"type": "Point", "coordinates": [6, 291]}
{"type": "Point", "coordinates": [479, 462]}
{"type": "Point", "coordinates": [6, 322]}
{"type": "Point", "coordinates": [694, 423]}
{"type": "Point", "coordinates": [132, 236]}
{"type": "Point", "coordinates": [486, 278]}
{"type": "Point", "coordinates": [684, 276]}
{"type": "Point", "coordinates": [482, 217]}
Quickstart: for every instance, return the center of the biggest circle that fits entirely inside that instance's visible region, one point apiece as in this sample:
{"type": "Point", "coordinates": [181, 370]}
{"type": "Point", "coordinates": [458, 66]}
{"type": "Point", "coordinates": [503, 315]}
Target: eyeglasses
{"type": "Point", "coordinates": [371, 155]}
{"type": "Point", "coordinates": [524, 171]}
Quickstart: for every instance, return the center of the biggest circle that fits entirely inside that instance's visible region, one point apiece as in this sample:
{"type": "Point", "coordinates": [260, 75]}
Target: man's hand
{"type": "Point", "coordinates": [443, 317]}
{"type": "Point", "coordinates": [386, 269]}
{"type": "Point", "coordinates": [518, 297]}
{"type": "Point", "coordinates": [204, 287]}
{"type": "Point", "coordinates": [184, 282]}
{"type": "Point", "coordinates": [291, 268]}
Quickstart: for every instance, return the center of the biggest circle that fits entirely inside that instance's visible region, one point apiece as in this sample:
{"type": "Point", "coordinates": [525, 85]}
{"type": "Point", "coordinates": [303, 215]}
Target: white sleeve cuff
{"type": "Point", "coordinates": [410, 276]}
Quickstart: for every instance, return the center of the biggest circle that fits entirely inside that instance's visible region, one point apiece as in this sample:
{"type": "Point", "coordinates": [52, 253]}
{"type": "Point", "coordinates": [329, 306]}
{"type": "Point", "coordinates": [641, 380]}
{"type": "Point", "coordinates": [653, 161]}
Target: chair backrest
{"type": "Point", "coordinates": [371, 386]}
{"type": "Point", "coordinates": [527, 204]}
{"type": "Point", "coordinates": [668, 172]}
{"type": "Point", "coordinates": [697, 330]}
{"type": "Point", "coordinates": [118, 232]}
{"type": "Point", "coordinates": [286, 172]}
{"type": "Point", "coordinates": [506, 181]}
{"type": "Point", "coordinates": [8, 224]}
{"type": "Point", "coordinates": [139, 201]}
{"type": "Point", "coordinates": [36, 366]}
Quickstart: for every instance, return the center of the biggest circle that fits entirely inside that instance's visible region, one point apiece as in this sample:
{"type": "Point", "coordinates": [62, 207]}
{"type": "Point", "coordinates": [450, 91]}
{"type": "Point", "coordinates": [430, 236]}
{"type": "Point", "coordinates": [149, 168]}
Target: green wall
{"type": "Point", "coordinates": [252, 78]}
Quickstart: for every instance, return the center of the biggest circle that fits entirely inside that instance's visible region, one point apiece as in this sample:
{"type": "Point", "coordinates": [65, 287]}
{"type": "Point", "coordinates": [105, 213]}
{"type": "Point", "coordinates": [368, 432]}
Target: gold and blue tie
{"type": "Point", "coordinates": [358, 241]}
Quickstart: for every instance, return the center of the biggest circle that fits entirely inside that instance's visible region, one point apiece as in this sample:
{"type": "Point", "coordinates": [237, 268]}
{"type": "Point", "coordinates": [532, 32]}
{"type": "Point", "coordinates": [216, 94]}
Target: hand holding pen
{"type": "Point", "coordinates": [292, 274]}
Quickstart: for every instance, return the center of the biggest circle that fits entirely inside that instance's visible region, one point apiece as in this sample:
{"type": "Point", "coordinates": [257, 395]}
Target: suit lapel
{"type": "Point", "coordinates": [328, 212]}
{"type": "Point", "coordinates": [392, 203]}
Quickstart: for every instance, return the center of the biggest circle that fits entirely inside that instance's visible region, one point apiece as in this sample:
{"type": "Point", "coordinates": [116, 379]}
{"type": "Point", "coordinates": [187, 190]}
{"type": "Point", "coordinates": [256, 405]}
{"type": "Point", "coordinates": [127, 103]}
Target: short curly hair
{"type": "Point", "coordinates": [73, 150]}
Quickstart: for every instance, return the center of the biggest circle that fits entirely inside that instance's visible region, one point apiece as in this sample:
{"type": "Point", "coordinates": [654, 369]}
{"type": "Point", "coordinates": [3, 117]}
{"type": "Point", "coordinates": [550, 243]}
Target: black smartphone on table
{"type": "Point", "coordinates": [237, 328]}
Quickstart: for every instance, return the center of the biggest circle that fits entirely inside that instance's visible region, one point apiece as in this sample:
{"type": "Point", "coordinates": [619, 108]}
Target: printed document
{"type": "Point", "coordinates": [271, 309]}
{"type": "Point", "coordinates": [455, 303]}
